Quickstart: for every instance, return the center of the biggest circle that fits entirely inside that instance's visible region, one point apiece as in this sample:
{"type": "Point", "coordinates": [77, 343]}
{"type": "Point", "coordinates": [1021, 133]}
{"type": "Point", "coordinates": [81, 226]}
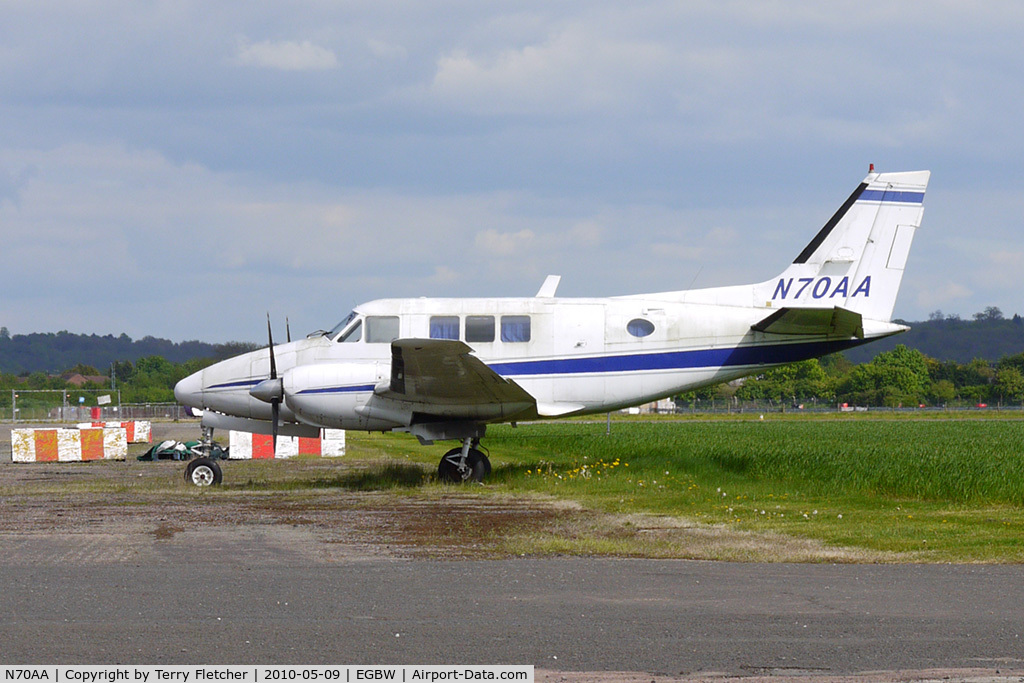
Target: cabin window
{"type": "Point", "coordinates": [444, 327]}
{"type": "Point", "coordinates": [381, 329]}
{"type": "Point", "coordinates": [354, 334]}
{"type": "Point", "coordinates": [638, 327]}
{"type": "Point", "coordinates": [479, 328]}
{"type": "Point", "coordinates": [515, 328]}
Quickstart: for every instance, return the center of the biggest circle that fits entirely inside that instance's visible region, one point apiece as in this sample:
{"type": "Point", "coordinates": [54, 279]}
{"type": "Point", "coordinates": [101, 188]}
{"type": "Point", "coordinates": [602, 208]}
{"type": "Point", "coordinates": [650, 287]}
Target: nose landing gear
{"type": "Point", "coordinates": [204, 471]}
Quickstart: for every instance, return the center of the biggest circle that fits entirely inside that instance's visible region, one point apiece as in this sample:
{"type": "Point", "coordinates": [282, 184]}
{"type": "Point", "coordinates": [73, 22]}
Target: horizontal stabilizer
{"type": "Point", "coordinates": [834, 322]}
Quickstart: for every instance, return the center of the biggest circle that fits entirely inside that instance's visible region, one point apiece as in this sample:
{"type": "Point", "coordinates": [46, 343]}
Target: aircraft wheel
{"type": "Point", "coordinates": [477, 467]}
{"type": "Point", "coordinates": [203, 472]}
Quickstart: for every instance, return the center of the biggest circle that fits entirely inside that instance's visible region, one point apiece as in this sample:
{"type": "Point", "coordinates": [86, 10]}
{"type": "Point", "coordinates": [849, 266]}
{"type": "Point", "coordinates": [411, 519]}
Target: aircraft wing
{"type": "Point", "coordinates": [834, 322]}
{"type": "Point", "coordinates": [441, 377]}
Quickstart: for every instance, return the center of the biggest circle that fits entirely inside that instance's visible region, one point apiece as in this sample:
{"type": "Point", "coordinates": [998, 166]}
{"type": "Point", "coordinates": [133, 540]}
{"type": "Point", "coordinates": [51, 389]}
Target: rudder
{"type": "Point", "coordinates": [856, 260]}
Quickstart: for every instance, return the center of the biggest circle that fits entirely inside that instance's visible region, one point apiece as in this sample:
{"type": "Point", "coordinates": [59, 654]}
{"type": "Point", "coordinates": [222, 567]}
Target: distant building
{"type": "Point", "coordinates": [665, 405]}
{"type": "Point", "coordinates": [78, 380]}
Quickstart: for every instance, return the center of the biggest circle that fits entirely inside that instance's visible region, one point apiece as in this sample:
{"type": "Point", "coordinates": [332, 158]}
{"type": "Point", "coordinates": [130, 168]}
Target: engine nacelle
{"type": "Point", "coordinates": [331, 394]}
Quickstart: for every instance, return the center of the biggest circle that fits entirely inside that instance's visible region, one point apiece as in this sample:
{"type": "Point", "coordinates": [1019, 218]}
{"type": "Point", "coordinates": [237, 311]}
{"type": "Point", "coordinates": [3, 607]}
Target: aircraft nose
{"type": "Point", "coordinates": [189, 391]}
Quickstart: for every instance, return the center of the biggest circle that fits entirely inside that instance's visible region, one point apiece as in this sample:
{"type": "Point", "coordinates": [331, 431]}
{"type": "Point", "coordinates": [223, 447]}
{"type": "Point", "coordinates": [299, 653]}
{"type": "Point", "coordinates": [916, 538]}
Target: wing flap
{"type": "Point", "coordinates": [833, 322]}
{"type": "Point", "coordinates": [441, 377]}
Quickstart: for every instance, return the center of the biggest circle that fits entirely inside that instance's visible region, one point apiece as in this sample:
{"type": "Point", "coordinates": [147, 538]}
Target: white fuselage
{"type": "Point", "coordinates": [573, 356]}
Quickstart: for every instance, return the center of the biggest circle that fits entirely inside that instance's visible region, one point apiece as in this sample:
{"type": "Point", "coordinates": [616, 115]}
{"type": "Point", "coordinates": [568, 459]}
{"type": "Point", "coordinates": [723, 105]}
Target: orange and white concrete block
{"type": "Point", "coordinates": [139, 431]}
{"type": "Point", "coordinates": [247, 446]}
{"type": "Point", "coordinates": [68, 445]}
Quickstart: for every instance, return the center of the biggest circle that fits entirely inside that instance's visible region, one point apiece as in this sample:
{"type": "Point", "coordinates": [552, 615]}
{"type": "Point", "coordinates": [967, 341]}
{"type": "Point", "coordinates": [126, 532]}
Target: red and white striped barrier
{"type": "Point", "coordinates": [139, 431]}
{"type": "Point", "coordinates": [68, 445]}
{"type": "Point", "coordinates": [247, 446]}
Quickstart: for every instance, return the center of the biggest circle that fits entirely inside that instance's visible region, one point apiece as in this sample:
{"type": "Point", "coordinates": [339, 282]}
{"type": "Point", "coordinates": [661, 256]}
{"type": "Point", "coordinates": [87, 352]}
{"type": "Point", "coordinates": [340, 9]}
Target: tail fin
{"type": "Point", "coordinates": [856, 260]}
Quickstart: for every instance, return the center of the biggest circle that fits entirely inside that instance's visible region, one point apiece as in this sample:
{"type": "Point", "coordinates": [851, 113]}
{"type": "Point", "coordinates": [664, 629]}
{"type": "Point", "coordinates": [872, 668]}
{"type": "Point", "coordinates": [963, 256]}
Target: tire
{"type": "Point", "coordinates": [478, 467]}
{"type": "Point", "coordinates": [203, 472]}
{"type": "Point", "coordinates": [484, 464]}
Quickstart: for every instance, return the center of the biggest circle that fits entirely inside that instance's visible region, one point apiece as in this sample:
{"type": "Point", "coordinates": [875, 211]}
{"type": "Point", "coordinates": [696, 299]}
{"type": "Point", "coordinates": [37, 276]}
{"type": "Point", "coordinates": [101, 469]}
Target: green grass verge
{"type": "Point", "coordinates": [929, 490]}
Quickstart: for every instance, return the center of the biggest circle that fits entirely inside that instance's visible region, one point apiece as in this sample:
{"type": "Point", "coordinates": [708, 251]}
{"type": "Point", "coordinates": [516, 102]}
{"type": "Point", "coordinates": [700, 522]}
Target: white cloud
{"type": "Point", "coordinates": [504, 243]}
{"type": "Point", "coordinates": [445, 275]}
{"type": "Point", "coordinates": [385, 50]}
{"type": "Point", "coordinates": [586, 233]}
{"type": "Point", "coordinates": [11, 184]}
{"type": "Point", "coordinates": [285, 55]}
{"type": "Point", "coordinates": [949, 294]}
{"type": "Point", "coordinates": [1007, 268]}
{"type": "Point", "coordinates": [575, 68]}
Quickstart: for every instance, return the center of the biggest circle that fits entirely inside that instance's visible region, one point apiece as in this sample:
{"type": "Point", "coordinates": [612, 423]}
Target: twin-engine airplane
{"type": "Point", "coordinates": [443, 369]}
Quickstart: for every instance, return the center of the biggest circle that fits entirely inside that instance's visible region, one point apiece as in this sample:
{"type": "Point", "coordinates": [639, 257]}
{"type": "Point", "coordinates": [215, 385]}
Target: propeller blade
{"type": "Point", "coordinates": [270, 338]}
{"type": "Point", "coordinates": [275, 408]}
{"type": "Point", "coordinates": [288, 329]}
{"type": "Point", "coordinates": [275, 403]}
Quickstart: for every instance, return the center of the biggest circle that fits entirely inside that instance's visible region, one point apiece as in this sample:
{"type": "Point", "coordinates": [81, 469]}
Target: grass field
{"type": "Point", "coordinates": [904, 489]}
{"type": "Point", "coordinates": [883, 487]}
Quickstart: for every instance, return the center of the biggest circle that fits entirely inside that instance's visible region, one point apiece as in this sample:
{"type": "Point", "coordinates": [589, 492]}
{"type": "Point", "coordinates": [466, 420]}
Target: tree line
{"type": "Point", "coordinates": [987, 334]}
{"type": "Point", "coordinates": [902, 377]}
{"type": "Point", "coordinates": [54, 352]}
{"type": "Point", "coordinates": [148, 380]}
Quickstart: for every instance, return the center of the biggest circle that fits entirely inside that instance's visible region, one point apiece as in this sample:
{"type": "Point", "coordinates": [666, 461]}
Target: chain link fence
{"type": "Point", "coordinates": [73, 414]}
{"type": "Point", "coordinates": [724, 405]}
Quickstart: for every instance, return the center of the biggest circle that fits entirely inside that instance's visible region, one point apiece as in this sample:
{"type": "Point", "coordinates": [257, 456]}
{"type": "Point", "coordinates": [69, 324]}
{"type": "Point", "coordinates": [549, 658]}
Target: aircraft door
{"type": "Point", "coordinates": [579, 344]}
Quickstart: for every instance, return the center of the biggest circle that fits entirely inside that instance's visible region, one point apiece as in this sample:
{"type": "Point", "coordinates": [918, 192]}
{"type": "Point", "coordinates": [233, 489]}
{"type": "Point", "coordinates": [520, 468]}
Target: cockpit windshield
{"type": "Point", "coordinates": [342, 325]}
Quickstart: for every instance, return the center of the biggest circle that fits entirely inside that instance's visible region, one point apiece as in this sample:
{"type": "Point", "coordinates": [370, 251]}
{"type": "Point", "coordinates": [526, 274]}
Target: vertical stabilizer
{"type": "Point", "coordinates": [856, 260]}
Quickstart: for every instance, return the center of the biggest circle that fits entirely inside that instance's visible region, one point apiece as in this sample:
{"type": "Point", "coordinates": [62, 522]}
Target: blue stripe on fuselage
{"type": "Point", "coordinates": [235, 385]}
{"type": "Point", "coordinates": [339, 390]}
{"type": "Point", "coordinates": [892, 196]}
{"type": "Point", "coordinates": [674, 360]}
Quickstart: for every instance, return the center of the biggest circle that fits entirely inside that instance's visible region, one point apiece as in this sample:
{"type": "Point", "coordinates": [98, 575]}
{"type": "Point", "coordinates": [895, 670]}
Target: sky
{"type": "Point", "coordinates": [181, 169]}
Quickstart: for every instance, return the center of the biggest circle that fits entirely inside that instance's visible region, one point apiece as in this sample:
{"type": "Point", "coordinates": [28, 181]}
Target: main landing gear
{"type": "Point", "coordinates": [464, 464]}
{"type": "Point", "coordinates": [204, 470]}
